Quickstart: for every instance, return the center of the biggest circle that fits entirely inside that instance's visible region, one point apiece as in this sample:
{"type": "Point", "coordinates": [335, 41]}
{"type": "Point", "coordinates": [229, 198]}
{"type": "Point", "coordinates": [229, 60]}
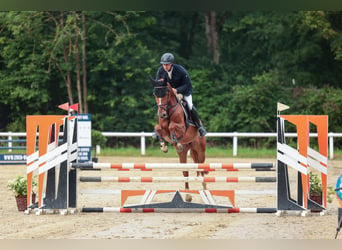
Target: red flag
{"type": "Point", "coordinates": [74, 107]}
{"type": "Point", "coordinates": [64, 106]}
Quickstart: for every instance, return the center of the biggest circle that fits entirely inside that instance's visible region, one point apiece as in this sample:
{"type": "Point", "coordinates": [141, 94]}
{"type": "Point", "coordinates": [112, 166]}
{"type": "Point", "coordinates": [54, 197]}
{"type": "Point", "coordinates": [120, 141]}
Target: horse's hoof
{"type": "Point", "coordinates": [164, 148]}
{"type": "Point", "coordinates": [188, 198]}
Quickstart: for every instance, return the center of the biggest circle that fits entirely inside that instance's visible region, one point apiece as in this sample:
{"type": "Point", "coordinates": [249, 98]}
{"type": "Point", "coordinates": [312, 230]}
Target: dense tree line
{"type": "Point", "coordinates": [241, 64]}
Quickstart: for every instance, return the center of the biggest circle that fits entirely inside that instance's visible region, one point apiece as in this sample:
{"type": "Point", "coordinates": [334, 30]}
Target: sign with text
{"type": "Point", "coordinates": [12, 159]}
{"type": "Point", "coordinates": [84, 137]}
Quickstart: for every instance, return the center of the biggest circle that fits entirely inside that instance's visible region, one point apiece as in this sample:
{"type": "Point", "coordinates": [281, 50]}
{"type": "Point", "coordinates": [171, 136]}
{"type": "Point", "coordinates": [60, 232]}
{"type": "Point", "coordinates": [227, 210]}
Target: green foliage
{"type": "Point", "coordinates": [23, 75]}
{"type": "Point", "coordinates": [331, 194]}
{"type": "Point", "coordinates": [319, 101]}
{"type": "Point", "coordinates": [266, 57]}
{"type": "Point", "coordinates": [19, 185]}
{"type": "Point", "coordinates": [97, 138]}
{"type": "Point", "coordinates": [250, 107]}
{"type": "Point", "coordinates": [287, 42]}
{"type": "Point", "coordinates": [315, 184]}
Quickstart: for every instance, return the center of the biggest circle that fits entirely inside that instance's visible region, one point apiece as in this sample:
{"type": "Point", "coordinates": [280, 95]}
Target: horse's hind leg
{"type": "Point", "coordinates": [194, 156]}
{"type": "Point", "coordinates": [183, 159]}
{"type": "Point", "coordinates": [197, 151]}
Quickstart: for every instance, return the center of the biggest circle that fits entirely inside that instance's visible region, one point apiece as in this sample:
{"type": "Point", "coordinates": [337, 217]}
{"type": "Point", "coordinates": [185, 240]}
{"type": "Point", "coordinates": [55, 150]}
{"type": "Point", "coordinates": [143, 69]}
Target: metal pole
{"type": "Point", "coordinates": [235, 144]}
{"type": "Point", "coordinates": [97, 149]}
{"type": "Point", "coordinates": [331, 145]}
{"type": "Point", "coordinates": [142, 143]}
{"type": "Point", "coordinates": [10, 142]}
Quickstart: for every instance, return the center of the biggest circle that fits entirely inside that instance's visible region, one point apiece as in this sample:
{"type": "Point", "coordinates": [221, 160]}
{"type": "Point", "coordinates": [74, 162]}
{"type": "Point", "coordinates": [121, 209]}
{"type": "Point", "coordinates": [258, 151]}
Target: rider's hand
{"type": "Point", "coordinates": [179, 97]}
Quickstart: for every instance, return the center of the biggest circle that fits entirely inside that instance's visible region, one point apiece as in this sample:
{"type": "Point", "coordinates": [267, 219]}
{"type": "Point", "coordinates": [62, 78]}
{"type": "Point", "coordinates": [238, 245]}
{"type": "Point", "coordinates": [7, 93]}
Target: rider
{"type": "Point", "coordinates": [181, 85]}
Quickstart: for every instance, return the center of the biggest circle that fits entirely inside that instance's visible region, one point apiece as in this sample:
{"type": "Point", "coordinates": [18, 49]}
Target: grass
{"type": "Point", "coordinates": [14, 151]}
{"type": "Point", "coordinates": [218, 152]}
{"type": "Point", "coordinates": [210, 152]}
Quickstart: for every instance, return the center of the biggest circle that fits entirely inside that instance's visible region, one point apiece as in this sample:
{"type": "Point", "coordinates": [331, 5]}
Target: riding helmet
{"type": "Point", "coordinates": [167, 58]}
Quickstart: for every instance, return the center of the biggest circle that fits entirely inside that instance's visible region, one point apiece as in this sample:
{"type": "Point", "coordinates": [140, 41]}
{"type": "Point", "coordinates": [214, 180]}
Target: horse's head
{"type": "Point", "coordinates": [160, 88]}
{"type": "Point", "coordinates": [162, 92]}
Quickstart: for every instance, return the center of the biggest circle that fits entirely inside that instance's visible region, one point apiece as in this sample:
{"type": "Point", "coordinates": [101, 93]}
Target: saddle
{"type": "Point", "coordinates": [187, 114]}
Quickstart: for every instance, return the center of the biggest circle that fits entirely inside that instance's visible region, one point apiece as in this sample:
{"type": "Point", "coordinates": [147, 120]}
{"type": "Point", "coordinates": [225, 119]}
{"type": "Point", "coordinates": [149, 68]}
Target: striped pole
{"type": "Point", "coordinates": [176, 166]}
{"type": "Point", "coordinates": [237, 192]}
{"type": "Point", "coordinates": [175, 179]}
{"type": "Point", "coordinates": [176, 210]}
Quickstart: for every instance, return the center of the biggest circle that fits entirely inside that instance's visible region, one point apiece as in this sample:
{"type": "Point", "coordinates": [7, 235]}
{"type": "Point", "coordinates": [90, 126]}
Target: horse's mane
{"type": "Point", "coordinates": [172, 94]}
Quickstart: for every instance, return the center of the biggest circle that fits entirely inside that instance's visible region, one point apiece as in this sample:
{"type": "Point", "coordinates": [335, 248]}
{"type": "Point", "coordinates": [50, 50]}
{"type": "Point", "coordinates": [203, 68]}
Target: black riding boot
{"type": "Point", "coordinates": [198, 122]}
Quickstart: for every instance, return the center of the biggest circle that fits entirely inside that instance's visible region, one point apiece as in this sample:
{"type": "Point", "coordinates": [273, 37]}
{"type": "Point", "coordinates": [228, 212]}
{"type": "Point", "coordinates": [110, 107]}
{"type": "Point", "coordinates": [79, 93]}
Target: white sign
{"type": "Point", "coordinates": [84, 137]}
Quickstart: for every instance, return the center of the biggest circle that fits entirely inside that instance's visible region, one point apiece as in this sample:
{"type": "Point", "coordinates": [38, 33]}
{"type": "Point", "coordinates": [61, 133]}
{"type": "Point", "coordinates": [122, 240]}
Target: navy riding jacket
{"type": "Point", "coordinates": [180, 79]}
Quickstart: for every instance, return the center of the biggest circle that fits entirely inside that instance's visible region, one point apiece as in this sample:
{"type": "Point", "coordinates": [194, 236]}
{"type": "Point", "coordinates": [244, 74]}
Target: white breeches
{"type": "Point", "coordinates": [188, 99]}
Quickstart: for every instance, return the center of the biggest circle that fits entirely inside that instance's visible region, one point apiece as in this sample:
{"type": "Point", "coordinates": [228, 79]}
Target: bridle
{"type": "Point", "coordinates": [164, 106]}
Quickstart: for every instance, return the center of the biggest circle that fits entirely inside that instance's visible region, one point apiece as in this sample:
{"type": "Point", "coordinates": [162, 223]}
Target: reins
{"type": "Point", "coordinates": [167, 106]}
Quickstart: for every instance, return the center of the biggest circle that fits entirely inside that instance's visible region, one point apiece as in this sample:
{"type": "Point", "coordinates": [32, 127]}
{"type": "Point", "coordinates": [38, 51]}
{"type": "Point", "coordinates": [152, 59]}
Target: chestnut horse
{"type": "Point", "coordinates": [172, 128]}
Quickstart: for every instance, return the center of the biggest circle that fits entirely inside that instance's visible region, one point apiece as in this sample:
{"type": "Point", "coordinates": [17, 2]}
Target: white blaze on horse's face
{"type": "Point", "coordinates": [162, 108]}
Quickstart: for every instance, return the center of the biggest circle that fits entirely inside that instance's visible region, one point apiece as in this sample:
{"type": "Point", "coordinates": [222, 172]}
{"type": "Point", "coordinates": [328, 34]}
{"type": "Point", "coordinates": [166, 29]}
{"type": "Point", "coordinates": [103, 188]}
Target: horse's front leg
{"type": "Point", "coordinates": [163, 146]}
{"type": "Point", "coordinates": [178, 146]}
{"type": "Point", "coordinates": [176, 133]}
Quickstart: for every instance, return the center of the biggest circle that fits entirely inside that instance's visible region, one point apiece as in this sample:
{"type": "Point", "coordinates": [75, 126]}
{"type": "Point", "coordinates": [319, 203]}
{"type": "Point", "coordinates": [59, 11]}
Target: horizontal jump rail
{"type": "Point", "coordinates": [175, 179]}
{"type": "Point", "coordinates": [176, 210]}
{"type": "Point", "coordinates": [237, 191]}
{"type": "Point", "coordinates": [176, 166]}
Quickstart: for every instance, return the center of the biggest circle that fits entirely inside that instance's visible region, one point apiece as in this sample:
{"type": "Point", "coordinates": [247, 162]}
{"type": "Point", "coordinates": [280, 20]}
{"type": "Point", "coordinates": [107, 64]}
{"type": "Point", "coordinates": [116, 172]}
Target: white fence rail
{"type": "Point", "coordinates": [234, 135]}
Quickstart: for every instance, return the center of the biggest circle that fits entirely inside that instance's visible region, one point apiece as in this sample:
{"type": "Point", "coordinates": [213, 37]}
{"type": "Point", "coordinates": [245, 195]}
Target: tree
{"type": "Point", "coordinates": [23, 76]}
{"type": "Point", "coordinates": [212, 35]}
{"type": "Point", "coordinates": [102, 59]}
{"type": "Point", "coordinates": [67, 80]}
{"type": "Point", "coordinates": [254, 42]}
{"type": "Point", "coordinates": [84, 63]}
